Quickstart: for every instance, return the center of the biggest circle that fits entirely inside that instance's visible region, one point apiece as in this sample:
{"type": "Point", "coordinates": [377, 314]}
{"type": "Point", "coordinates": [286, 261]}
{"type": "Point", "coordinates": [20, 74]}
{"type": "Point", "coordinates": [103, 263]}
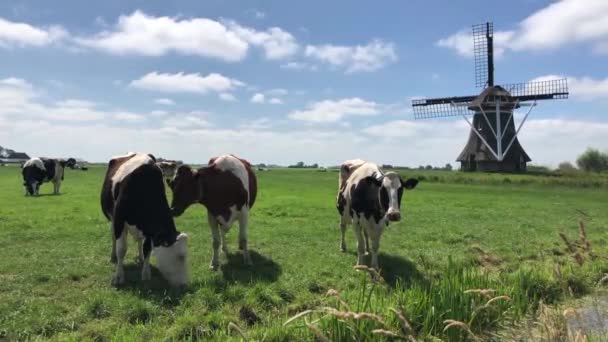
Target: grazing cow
{"type": "Point", "coordinates": [133, 199]}
{"type": "Point", "coordinates": [371, 199]}
{"type": "Point", "coordinates": [40, 170]}
{"type": "Point", "coordinates": [346, 169]}
{"type": "Point", "coordinates": [227, 187]}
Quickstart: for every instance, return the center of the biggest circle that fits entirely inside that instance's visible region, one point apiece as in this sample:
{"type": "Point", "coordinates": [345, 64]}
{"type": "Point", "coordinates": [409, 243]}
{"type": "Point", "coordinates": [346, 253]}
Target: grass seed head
{"type": "Point", "coordinates": [233, 326]}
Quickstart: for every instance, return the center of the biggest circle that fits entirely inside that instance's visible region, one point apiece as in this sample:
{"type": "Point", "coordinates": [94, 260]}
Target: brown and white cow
{"type": "Point", "coordinates": [133, 199]}
{"type": "Point", "coordinates": [227, 187]}
{"type": "Point", "coordinates": [346, 169]}
{"type": "Point", "coordinates": [41, 170]}
{"type": "Point", "coordinates": [371, 199]}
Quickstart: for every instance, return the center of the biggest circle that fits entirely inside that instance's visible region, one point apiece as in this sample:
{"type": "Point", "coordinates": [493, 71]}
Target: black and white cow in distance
{"type": "Point", "coordinates": [41, 170]}
{"type": "Point", "coordinates": [133, 199]}
{"type": "Point", "coordinates": [227, 187]}
{"type": "Point", "coordinates": [168, 167]}
{"type": "Point", "coordinates": [372, 199]}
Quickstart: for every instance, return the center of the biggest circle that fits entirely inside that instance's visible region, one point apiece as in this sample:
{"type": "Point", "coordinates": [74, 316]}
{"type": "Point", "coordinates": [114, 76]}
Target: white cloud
{"type": "Point", "coordinates": [128, 117]}
{"type": "Point", "coordinates": [159, 113]}
{"type": "Point", "coordinates": [360, 58]}
{"type": "Point", "coordinates": [299, 66]}
{"type": "Point", "coordinates": [19, 100]}
{"type": "Point", "coordinates": [258, 98]}
{"type": "Point", "coordinates": [22, 35]}
{"type": "Point", "coordinates": [462, 42]}
{"type": "Point", "coordinates": [190, 121]}
{"type": "Point", "coordinates": [585, 88]}
{"type": "Point", "coordinates": [142, 34]}
{"type": "Point", "coordinates": [227, 97]}
{"type": "Point", "coordinates": [164, 101]}
{"type": "Point", "coordinates": [277, 92]}
{"type": "Point", "coordinates": [185, 83]}
{"type": "Point", "coordinates": [558, 24]}
{"type": "Point", "coordinates": [275, 100]}
{"type": "Point", "coordinates": [276, 43]}
{"type": "Point", "coordinates": [263, 123]}
{"type": "Point", "coordinates": [335, 110]}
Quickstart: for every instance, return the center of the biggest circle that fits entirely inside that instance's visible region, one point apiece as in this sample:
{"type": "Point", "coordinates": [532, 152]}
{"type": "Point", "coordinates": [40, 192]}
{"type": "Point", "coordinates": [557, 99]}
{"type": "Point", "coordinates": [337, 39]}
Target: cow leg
{"type": "Point", "coordinates": [343, 230]}
{"type": "Point", "coordinates": [121, 251]}
{"type": "Point", "coordinates": [375, 247]}
{"type": "Point", "coordinates": [360, 243]}
{"type": "Point", "coordinates": [223, 232]}
{"type": "Point", "coordinates": [243, 223]}
{"type": "Point", "coordinates": [215, 234]}
{"type": "Point", "coordinates": [366, 242]}
{"type": "Point", "coordinates": [140, 247]}
{"type": "Point", "coordinates": [146, 274]}
{"type": "Point", "coordinates": [56, 186]}
{"type": "Point", "coordinates": [113, 253]}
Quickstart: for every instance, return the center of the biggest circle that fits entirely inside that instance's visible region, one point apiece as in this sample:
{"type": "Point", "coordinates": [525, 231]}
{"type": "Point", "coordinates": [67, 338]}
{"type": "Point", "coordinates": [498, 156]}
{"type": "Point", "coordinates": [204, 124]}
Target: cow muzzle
{"type": "Point", "coordinates": [394, 216]}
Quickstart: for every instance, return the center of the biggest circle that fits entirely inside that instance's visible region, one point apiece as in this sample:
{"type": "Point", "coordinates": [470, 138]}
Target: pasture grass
{"type": "Point", "coordinates": [455, 237]}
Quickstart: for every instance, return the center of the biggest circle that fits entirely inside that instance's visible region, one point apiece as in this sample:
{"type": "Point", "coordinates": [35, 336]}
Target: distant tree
{"type": "Point", "coordinates": [428, 167]}
{"type": "Point", "coordinates": [300, 164]}
{"type": "Point", "coordinates": [261, 165]}
{"type": "Point", "coordinates": [566, 167]}
{"type": "Point", "coordinates": [387, 166]}
{"type": "Point", "coordinates": [421, 167]}
{"type": "Point", "coordinates": [314, 166]}
{"type": "Point", "coordinates": [593, 160]}
{"type": "Point", "coordinates": [448, 167]}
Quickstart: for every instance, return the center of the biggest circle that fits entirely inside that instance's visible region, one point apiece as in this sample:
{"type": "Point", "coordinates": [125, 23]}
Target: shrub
{"type": "Point", "coordinates": [593, 160]}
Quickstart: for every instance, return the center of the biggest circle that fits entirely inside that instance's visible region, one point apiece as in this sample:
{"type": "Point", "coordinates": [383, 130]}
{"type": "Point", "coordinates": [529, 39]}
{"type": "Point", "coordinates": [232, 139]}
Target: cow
{"type": "Point", "coordinates": [36, 171]}
{"type": "Point", "coordinates": [346, 169]}
{"type": "Point", "coordinates": [227, 187]}
{"type": "Point", "coordinates": [169, 168]}
{"type": "Point", "coordinates": [133, 199]}
{"type": "Point", "coordinates": [371, 199]}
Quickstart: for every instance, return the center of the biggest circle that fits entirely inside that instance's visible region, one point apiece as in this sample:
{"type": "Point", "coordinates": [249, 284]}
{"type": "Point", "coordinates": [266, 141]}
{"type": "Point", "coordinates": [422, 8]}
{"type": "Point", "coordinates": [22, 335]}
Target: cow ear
{"type": "Point", "coordinates": [152, 156]}
{"type": "Point", "coordinates": [410, 183]}
{"type": "Point", "coordinates": [184, 170]}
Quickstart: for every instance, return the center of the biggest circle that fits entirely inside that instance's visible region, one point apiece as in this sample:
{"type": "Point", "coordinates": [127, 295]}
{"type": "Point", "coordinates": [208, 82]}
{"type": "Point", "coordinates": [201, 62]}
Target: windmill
{"type": "Point", "coordinates": [492, 144]}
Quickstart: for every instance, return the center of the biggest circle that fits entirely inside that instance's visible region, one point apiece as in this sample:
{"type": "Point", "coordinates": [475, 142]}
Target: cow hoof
{"type": "Point", "coordinates": [146, 275]}
{"type": "Point", "coordinates": [247, 260]}
{"type": "Point", "coordinates": [118, 280]}
{"type": "Point", "coordinates": [113, 259]}
{"type": "Point", "coordinates": [343, 247]}
{"type": "Point", "coordinates": [214, 267]}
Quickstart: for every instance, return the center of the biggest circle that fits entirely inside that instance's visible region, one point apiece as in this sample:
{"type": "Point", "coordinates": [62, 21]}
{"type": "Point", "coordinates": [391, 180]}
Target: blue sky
{"type": "Point", "coordinates": [280, 82]}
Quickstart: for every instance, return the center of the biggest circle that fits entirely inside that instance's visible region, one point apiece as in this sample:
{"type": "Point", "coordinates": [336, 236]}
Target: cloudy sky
{"type": "Point", "coordinates": [284, 81]}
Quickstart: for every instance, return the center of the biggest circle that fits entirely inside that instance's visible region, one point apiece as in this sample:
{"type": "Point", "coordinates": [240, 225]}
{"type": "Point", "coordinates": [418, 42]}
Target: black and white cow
{"type": "Point", "coordinates": [371, 199]}
{"type": "Point", "coordinates": [41, 170]}
{"type": "Point", "coordinates": [346, 169]}
{"type": "Point", "coordinates": [133, 199]}
{"type": "Point", "coordinates": [227, 187]}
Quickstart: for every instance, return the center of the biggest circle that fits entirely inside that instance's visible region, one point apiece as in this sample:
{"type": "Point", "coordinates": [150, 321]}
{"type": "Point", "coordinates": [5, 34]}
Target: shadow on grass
{"type": "Point", "coordinates": [398, 269]}
{"type": "Point", "coordinates": [263, 269]}
{"type": "Point", "coordinates": [157, 289]}
{"type": "Point", "coordinates": [49, 194]}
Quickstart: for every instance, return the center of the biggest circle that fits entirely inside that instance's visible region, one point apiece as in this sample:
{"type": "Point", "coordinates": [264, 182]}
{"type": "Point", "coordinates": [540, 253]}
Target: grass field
{"type": "Point", "coordinates": [456, 236]}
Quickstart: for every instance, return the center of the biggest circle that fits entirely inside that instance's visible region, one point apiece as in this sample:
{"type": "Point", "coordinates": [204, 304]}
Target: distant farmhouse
{"type": "Point", "coordinates": [8, 156]}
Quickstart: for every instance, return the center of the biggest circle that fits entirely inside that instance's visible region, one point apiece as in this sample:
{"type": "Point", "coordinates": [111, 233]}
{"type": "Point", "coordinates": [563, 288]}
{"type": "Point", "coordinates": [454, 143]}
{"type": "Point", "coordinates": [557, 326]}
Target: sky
{"type": "Point", "coordinates": [287, 81]}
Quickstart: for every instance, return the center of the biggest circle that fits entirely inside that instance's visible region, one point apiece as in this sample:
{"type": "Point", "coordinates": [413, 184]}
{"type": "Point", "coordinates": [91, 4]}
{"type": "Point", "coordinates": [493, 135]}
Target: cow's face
{"type": "Point", "coordinates": [172, 260]}
{"type": "Point", "coordinates": [184, 189]}
{"type": "Point", "coordinates": [391, 192]}
{"type": "Point", "coordinates": [32, 179]}
{"type": "Point", "coordinates": [32, 187]}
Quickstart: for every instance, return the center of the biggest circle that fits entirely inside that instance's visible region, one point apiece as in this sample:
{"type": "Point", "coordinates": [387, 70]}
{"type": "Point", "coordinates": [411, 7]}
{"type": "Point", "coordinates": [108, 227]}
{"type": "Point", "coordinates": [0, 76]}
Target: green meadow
{"type": "Point", "coordinates": [473, 254]}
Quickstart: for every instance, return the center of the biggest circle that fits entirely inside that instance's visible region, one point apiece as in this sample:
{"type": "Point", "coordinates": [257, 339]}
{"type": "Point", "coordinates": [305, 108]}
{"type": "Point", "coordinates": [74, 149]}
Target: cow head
{"type": "Point", "coordinates": [185, 189]}
{"type": "Point", "coordinates": [168, 169]}
{"type": "Point", "coordinates": [391, 190]}
{"type": "Point", "coordinates": [32, 179]}
{"type": "Point", "coordinates": [172, 262]}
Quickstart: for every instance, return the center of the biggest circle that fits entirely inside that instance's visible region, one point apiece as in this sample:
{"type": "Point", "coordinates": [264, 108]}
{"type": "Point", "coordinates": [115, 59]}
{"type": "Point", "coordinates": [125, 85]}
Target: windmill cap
{"type": "Point", "coordinates": [488, 96]}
